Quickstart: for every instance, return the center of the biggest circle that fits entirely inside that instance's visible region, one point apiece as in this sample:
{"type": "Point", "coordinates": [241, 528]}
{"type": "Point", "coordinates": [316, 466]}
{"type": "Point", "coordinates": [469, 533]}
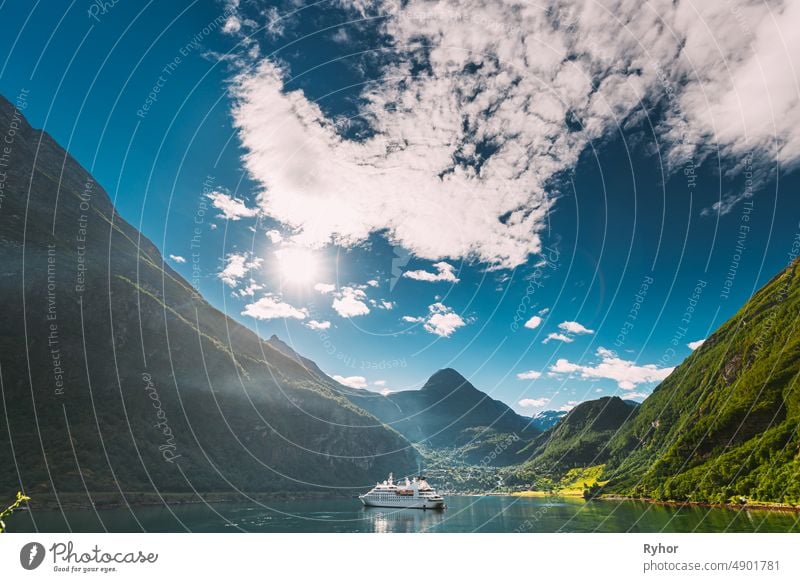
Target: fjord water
{"type": "Point", "coordinates": [464, 514]}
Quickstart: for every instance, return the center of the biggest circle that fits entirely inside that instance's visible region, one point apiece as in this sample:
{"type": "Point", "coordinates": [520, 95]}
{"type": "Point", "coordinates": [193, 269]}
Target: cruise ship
{"type": "Point", "coordinates": [412, 494]}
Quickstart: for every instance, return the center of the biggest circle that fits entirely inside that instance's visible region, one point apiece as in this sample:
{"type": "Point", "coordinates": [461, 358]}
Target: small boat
{"type": "Point", "coordinates": [415, 493]}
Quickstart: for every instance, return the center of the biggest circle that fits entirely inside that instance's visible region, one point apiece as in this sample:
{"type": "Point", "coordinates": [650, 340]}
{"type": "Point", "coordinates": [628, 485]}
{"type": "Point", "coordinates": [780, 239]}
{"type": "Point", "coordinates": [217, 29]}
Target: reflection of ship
{"type": "Point", "coordinates": [413, 494]}
{"type": "Point", "coordinates": [403, 520]}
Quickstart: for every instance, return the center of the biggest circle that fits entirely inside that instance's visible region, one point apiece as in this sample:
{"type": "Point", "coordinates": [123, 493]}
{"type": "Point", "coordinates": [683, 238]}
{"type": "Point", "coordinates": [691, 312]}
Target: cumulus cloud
{"type": "Point", "coordinates": [237, 265]}
{"type": "Point", "coordinates": [274, 236]}
{"type": "Point", "coordinates": [574, 327]}
{"type": "Point", "coordinates": [560, 337]}
{"type": "Point", "coordinates": [488, 101]}
{"type": "Point", "coordinates": [379, 383]}
{"type": "Point", "coordinates": [232, 208]}
{"type": "Point", "coordinates": [351, 381]}
{"type": "Point", "coordinates": [533, 322]}
{"type": "Point", "coordinates": [694, 345]}
{"type": "Point", "coordinates": [440, 320]}
{"type": "Point", "coordinates": [178, 259]}
{"type": "Point", "coordinates": [325, 288]}
{"type": "Point", "coordinates": [529, 375]}
{"type": "Point", "coordinates": [250, 289]}
{"type": "Point", "coordinates": [444, 272]}
{"type": "Point", "coordinates": [272, 307]}
{"type": "Point", "coordinates": [405, 181]}
{"type": "Point", "coordinates": [349, 302]}
{"type": "Point", "coordinates": [317, 325]}
{"type": "Point", "coordinates": [627, 374]}
{"type": "Point", "coordinates": [533, 402]}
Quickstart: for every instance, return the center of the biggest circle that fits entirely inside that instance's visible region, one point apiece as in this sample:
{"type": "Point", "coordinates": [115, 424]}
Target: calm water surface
{"type": "Point", "coordinates": [464, 514]}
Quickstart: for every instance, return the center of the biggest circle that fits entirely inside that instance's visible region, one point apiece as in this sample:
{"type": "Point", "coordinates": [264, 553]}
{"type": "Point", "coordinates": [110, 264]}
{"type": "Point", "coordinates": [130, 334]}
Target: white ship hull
{"type": "Point", "coordinates": [403, 503]}
{"type": "Point", "coordinates": [416, 494]}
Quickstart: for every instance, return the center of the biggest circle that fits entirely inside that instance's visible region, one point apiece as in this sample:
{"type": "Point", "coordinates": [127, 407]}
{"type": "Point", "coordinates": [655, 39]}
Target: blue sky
{"type": "Point", "coordinates": [393, 193]}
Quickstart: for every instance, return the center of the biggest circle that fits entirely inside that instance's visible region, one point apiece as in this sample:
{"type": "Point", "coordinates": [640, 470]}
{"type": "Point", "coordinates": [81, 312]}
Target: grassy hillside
{"type": "Point", "coordinates": [581, 438]}
{"type": "Point", "coordinates": [724, 425]}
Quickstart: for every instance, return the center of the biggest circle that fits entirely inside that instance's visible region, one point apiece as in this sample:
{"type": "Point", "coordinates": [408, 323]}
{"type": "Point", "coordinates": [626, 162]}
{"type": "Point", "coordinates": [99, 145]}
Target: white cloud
{"type": "Point", "coordinates": [379, 383]}
{"type": "Point", "coordinates": [632, 395]}
{"type": "Point", "coordinates": [250, 289]}
{"type": "Point", "coordinates": [325, 288]}
{"type": "Point", "coordinates": [384, 304]}
{"type": "Point", "coordinates": [444, 272]}
{"type": "Point", "coordinates": [529, 375]}
{"type": "Point", "coordinates": [237, 265]}
{"type": "Point", "coordinates": [533, 322]}
{"type": "Point", "coordinates": [627, 374]}
{"type": "Point", "coordinates": [554, 77]}
{"type": "Point", "coordinates": [272, 307]}
{"type": "Point", "coordinates": [349, 302]}
{"type": "Point", "coordinates": [274, 236]}
{"type": "Point", "coordinates": [557, 337]}
{"type": "Point", "coordinates": [317, 325]}
{"type": "Point", "coordinates": [574, 327]}
{"type": "Point", "coordinates": [232, 25]}
{"type": "Point", "coordinates": [440, 320]}
{"type": "Point", "coordinates": [178, 259]}
{"type": "Point", "coordinates": [372, 282]}
{"type": "Point", "coordinates": [533, 402]}
{"type": "Point", "coordinates": [385, 392]}
{"type": "Point", "coordinates": [232, 209]}
{"type": "Point", "coordinates": [694, 345]}
{"type": "Point", "coordinates": [403, 181]}
{"type": "Point", "coordinates": [351, 381]}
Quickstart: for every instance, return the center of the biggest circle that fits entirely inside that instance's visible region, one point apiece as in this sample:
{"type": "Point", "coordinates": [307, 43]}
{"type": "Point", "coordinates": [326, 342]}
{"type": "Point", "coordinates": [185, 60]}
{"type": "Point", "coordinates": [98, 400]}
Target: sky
{"type": "Point", "coordinates": [559, 200]}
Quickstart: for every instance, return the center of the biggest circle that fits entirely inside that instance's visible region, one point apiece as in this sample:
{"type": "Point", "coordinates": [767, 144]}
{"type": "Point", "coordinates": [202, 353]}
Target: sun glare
{"type": "Point", "coordinates": [297, 265]}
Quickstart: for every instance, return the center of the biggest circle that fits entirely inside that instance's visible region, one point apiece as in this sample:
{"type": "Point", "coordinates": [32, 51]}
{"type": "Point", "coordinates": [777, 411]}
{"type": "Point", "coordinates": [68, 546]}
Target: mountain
{"type": "Point", "coordinates": [547, 419]}
{"type": "Point", "coordinates": [118, 376]}
{"type": "Point", "coordinates": [581, 437]}
{"type": "Point", "coordinates": [449, 412]}
{"type": "Point", "coordinates": [724, 425]}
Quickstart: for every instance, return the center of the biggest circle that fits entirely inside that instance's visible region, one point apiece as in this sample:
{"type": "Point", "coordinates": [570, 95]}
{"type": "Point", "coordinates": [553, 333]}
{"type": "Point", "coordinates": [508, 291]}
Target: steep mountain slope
{"type": "Point", "coordinates": [448, 411]}
{"type": "Point", "coordinates": [581, 438]}
{"type": "Point", "coordinates": [724, 425]}
{"type": "Point", "coordinates": [117, 376]}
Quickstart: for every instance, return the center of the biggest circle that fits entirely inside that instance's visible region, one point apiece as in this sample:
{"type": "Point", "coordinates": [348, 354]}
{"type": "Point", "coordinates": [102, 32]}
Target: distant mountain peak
{"type": "Point", "coordinates": [446, 378]}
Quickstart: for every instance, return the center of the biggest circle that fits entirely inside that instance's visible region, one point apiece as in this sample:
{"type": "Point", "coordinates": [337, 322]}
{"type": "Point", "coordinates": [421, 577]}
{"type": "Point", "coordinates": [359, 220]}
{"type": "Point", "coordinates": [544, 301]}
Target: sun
{"type": "Point", "coordinates": [297, 265]}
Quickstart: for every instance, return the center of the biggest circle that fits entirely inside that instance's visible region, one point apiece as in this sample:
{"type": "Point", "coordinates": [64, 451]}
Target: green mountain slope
{"type": "Point", "coordinates": [724, 425]}
{"type": "Point", "coordinates": [117, 376]}
{"type": "Point", "coordinates": [581, 438]}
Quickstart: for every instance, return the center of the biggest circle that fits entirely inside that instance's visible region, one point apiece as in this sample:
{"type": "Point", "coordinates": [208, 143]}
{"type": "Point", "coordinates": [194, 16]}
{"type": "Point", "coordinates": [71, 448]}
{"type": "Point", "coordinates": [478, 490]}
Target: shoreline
{"type": "Point", "coordinates": [109, 500]}
{"type": "Point", "coordinates": [114, 500]}
{"type": "Point", "coordinates": [758, 505]}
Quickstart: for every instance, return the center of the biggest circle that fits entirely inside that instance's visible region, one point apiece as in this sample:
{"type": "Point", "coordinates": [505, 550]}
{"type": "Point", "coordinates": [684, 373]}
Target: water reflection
{"type": "Point", "coordinates": [385, 520]}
